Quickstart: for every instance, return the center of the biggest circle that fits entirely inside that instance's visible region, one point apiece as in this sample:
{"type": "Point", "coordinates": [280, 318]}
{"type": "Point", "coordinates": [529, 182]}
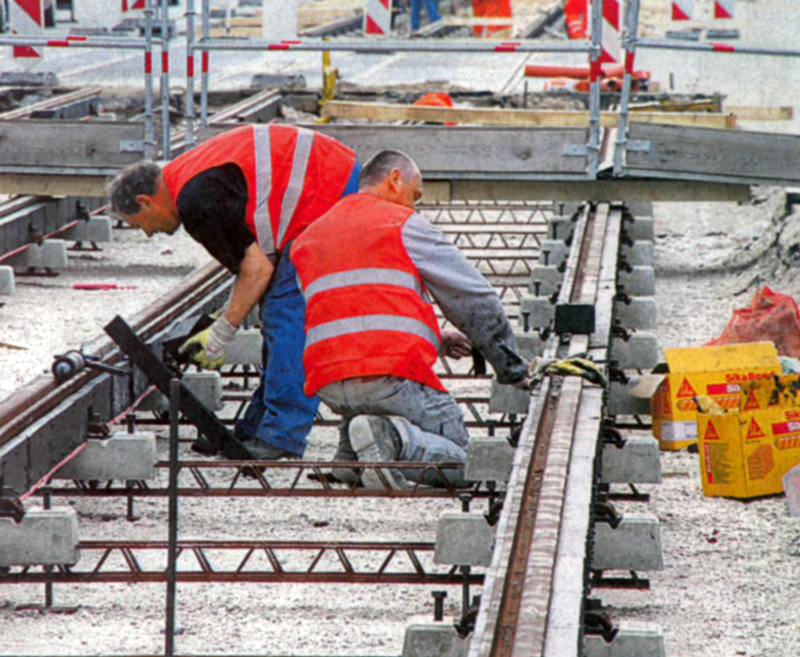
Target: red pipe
{"type": "Point", "coordinates": [579, 72]}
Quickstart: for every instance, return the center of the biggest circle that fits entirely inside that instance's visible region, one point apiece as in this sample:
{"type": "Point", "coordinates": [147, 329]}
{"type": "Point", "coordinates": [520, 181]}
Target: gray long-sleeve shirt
{"type": "Point", "coordinates": [465, 297]}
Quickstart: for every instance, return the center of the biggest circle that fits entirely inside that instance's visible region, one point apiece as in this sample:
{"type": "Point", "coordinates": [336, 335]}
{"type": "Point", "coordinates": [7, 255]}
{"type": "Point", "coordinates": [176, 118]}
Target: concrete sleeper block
{"type": "Point", "coordinates": [545, 280]}
{"type": "Point", "coordinates": [633, 639]}
{"type": "Point", "coordinates": [639, 313]}
{"type": "Point", "coordinates": [7, 284]}
{"type": "Point", "coordinates": [245, 348]}
{"type": "Point", "coordinates": [206, 386]}
{"type": "Point", "coordinates": [47, 537]}
{"type": "Point", "coordinates": [791, 486]}
{"type": "Point", "coordinates": [560, 228]}
{"type": "Point", "coordinates": [94, 229]}
{"type": "Point", "coordinates": [507, 399]}
{"type": "Point", "coordinates": [529, 344]}
{"type": "Point", "coordinates": [639, 282]}
{"type": "Point", "coordinates": [434, 640]}
{"type": "Point", "coordinates": [636, 462]}
{"type": "Point", "coordinates": [538, 312]}
{"type": "Point", "coordinates": [622, 402]}
{"type": "Point", "coordinates": [635, 544]}
{"type": "Point", "coordinates": [553, 252]}
{"type": "Point", "coordinates": [463, 539]}
{"type": "Point", "coordinates": [639, 352]}
{"type": "Point", "coordinates": [123, 456]}
{"type": "Point", "coordinates": [641, 253]}
{"type": "Point", "coordinates": [488, 459]}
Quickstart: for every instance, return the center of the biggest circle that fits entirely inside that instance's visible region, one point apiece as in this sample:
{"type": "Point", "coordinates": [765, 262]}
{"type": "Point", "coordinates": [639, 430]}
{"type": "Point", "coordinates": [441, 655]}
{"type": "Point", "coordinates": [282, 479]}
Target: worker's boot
{"type": "Point", "coordinates": [375, 439]}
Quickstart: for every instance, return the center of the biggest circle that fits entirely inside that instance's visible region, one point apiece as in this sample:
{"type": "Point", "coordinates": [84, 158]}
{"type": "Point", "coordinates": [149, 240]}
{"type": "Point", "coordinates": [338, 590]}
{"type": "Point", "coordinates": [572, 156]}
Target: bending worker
{"type": "Point", "coordinates": [245, 195]}
{"type": "Point", "coordinates": [366, 268]}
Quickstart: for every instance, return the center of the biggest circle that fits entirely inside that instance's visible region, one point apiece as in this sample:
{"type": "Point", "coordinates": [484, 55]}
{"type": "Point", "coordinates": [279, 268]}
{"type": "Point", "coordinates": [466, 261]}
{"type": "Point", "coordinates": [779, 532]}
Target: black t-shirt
{"type": "Point", "coordinates": [213, 209]}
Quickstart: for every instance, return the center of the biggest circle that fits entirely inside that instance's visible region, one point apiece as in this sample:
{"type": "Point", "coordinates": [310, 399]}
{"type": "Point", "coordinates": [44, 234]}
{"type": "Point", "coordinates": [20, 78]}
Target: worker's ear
{"type": "Point", "coordinates": [144, 201]}
{"type": "Point", "coordinates": [395, 179]}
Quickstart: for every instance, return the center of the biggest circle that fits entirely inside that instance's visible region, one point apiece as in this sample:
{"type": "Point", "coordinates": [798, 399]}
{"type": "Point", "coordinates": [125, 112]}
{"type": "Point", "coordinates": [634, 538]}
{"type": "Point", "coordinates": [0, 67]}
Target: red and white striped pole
{"type": "Point", "coordinates": [611, 37]}
{"type": "Point", "coordinates": [378, 17]}
{"type": "Point", "coordinates": [682, 10]}
{"type": "Point", "coordinates": [27, 19]}
{"type": "Point", "coordinates": [723, 8]}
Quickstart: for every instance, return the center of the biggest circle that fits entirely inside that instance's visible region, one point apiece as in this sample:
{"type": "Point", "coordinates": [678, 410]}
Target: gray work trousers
{"type": "Point", "coordinates": [432, 423]}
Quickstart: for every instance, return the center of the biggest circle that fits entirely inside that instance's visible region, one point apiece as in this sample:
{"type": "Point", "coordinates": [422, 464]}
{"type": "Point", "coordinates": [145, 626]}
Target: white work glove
{"type": "Point", "coordinates": [207, 348]}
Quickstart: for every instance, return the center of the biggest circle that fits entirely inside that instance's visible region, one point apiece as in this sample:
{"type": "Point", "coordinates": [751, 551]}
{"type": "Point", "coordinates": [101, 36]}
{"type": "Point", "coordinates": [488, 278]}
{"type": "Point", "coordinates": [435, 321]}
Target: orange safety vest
{"type": "Point", "coordinates": [575, 15]}
{"type": "Point", "coordinates": [293, 176]}
{"type": "Point", "coordinates": [366, 310]}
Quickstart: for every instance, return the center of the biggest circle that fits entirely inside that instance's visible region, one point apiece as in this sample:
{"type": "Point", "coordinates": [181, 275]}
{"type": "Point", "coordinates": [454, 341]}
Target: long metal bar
{"type": "Point", "coordinates": [190, 116]}
{"type": "Point", "coordinates": [73, 42]}
{"type": "Point", "coordinates": [172, 538]}
{"type": "Point", "coordinates": [204, 65]}
{"type": "Point", "coordinates": [390, 46]}
{"type": "Point", "coordinates": [645, 42]}
{"type": "Point", "coordinates": [150, 146]}
{"type": "Point", "coordinates": [629, 43]}
{"type": "Point", "coordinates": [593, 147]}
{"type": "Point", "coordinates": [382, 563]}
{"type": "Point", "coordinates": [166, 153]}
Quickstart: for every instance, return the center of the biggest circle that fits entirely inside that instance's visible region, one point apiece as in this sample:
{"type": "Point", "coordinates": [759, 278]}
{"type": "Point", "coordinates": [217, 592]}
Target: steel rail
{"type": "Point", "coordinates": [538, 577]}
{"type": "Point", "coordinates": [44, 393]}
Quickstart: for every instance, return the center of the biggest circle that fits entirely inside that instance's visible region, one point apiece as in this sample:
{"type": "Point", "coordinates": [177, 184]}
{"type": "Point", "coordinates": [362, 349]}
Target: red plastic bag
{"type": "Point", "coordinates": [771, 316]}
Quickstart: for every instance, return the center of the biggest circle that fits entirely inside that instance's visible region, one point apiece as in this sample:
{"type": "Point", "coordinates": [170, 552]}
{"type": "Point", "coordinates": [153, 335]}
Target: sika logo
{"type": "Point", "coordinates": [751, 403]}
{"type": "Point", "coordinates": [741, 377]}
{"type": "Point", "coordinates": [754, 431]}
{"type": "Point", "coordinates": [686, 390]}
{"type": "Point", "coordinates": [711, 432]}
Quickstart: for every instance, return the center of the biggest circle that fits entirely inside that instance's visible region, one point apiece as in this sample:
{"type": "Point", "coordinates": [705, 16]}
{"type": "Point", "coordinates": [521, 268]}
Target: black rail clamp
{"type": "Point", "coordinates": [574, 318]}
{"type": "Point", "coordinates": [216, 433]}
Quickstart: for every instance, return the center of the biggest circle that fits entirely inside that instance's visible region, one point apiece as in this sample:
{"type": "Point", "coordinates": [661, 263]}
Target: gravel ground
{"type": "Point", "coordinates": [727, 586]}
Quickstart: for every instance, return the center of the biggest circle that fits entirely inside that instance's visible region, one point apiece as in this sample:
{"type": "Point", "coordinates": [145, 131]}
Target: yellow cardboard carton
{"type": "Point", "coordinates": [715, 372]}
{"type": "Point", "coordinates": [746, 453]}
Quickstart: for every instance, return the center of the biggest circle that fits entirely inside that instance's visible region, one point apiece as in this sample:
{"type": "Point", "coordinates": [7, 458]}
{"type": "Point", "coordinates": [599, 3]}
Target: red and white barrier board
{"type": "Point", "coordinates": [378, 17]}
{"type": "Point", "coordinates": [723, 8]}
{"type": "Point", "coordinates": [611, 35]}
{"type": "Point", "coordinates": [682, 10]}
{"type": "Point", "coordinates": [129, 5]}
{"type": "Point", "coordinates": [27, 19]}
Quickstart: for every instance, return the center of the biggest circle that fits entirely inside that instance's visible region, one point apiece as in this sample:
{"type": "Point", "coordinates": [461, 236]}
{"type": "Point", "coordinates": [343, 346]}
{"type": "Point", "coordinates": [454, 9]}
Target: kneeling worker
{"type": "Point", "coordinates": [366, 268]}
{"type": "Point", "coordinates": [245, 195]}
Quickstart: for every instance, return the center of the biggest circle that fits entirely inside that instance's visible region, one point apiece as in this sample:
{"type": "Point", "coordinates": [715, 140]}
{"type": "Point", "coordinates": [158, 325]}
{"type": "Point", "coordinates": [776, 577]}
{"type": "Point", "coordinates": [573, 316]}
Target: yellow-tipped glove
{"type": "Point", "coordinates": [207, 348]}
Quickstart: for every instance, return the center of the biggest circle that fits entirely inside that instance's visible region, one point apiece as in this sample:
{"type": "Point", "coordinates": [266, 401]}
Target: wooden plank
{"type": "Point", "coordinates": [69, 144]}
{"type": "Point", "coordinates": [466, 152]}
{"type": "Point", "coordinates": [513, 117]}
{"type": "Point", "coordinates": [53, 185]}
{"type": "Point", "coordinates": [719, 154]}
{"type": "Point", "coordinates": [762, 113]}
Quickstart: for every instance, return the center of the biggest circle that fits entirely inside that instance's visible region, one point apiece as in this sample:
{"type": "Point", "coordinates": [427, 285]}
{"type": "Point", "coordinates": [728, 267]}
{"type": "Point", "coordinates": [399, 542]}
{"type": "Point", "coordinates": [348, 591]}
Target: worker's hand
{"type": "Point", "coordinates": [526, 384]}
{"type": "Point", "coordinates": [207, 348]}
{"type": "Point", "coordinates": [455, 344]}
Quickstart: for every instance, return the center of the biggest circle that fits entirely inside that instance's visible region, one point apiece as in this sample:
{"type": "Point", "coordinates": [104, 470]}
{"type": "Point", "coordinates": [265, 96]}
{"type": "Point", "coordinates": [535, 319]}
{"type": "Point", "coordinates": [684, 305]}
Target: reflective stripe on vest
{"type": "Point", "coordinates": [261, 218]}
{"type": "Point", "coordinates": [363, 277]}
{"type": "Point", "coordinates": [340, 327]}
{"type": "Point", "coordinates": [297, 181]}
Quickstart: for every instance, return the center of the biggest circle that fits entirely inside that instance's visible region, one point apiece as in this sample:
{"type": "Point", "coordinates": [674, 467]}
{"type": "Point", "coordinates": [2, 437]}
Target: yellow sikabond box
{"type": "Point", "coordinates": [745, 452]}
{"type": "Point", "coordinates": [715, 372]}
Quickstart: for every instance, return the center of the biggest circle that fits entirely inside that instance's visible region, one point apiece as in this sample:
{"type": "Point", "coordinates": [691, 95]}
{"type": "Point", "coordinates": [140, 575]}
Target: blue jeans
{"type": "Point", "coordinates": [431, 421]}
{"type": "Point", "coordinates": [280, 413]}
{"type": "Point", "coordinates": [416, 12]}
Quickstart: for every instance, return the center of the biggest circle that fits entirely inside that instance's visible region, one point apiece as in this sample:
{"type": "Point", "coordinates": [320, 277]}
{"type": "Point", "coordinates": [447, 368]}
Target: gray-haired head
{"type": "Point", "coordinates": [137, 179]}
{"type": "Point", "coordinates": [382, 164]}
